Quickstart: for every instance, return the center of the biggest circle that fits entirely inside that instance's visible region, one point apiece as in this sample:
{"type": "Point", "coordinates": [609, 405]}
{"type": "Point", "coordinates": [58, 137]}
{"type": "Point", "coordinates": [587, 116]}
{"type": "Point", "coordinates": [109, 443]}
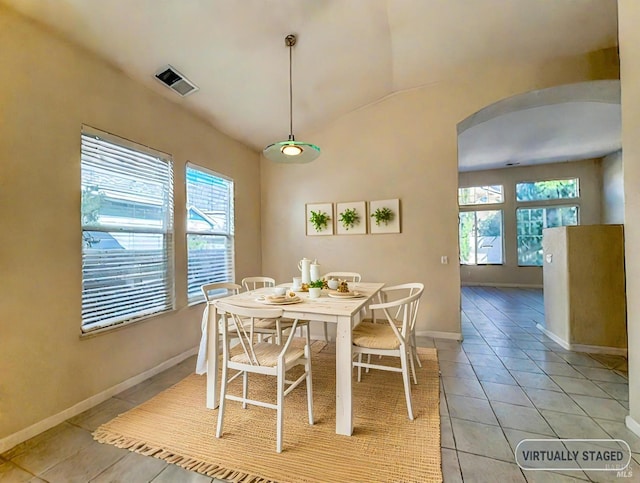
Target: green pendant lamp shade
{"type": "Point", "coordinates": [291, 151]}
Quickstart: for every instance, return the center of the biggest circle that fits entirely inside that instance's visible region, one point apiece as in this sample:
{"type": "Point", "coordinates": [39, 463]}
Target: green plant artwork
{"type": "Point", "coordinates": [319, 219]}
{"type": "Point", "coordinates": [382, 215]}
{"type": "Point", "coordinates": [349, 218]}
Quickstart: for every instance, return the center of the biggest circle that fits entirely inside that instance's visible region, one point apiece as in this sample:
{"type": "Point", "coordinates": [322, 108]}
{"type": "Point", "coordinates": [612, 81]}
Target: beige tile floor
{"type": "Point", "coordinates": [504, 383]}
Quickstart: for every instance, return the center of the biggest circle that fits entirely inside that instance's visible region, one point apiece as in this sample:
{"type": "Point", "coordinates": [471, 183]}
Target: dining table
{"type": "Point", "coordinates": [330, 307]}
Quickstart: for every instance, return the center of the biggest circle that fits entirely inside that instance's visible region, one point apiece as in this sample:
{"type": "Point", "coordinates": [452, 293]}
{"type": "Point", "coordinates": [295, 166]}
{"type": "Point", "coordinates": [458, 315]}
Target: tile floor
{"type": "Point", "coordinates": [505, 382]}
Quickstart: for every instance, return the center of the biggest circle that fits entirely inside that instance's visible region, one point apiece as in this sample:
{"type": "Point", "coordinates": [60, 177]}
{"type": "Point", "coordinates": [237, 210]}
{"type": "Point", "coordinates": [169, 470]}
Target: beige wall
{"type": "Point", "coordinates": [584, 302]}
{"type": "Point", "coordinates": [403, 146]}
{"type": "Point", "coordinates": [49, 89]}
{"type": "Point", "coordinates": [612, 189]}
{"type": "Point", "coordinates": [510, 273]}
{"type": "Point", "coordinates": [629, 40]}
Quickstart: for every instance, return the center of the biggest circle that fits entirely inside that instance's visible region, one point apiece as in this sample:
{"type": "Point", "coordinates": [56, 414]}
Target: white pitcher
{"type": "Point", "coordinates": [314, 270]}
{"type": "Point", "coordinates": [304, 266]}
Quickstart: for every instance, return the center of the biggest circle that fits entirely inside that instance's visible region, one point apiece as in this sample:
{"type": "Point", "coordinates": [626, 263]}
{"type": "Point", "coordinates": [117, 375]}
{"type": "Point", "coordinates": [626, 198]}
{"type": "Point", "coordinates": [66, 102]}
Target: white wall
{"type": "Point", "coordinates": [629, 40]}
{"type": "Point", "coordinates": [510, 274]}
{"type": "Point", "coordinates": [49, 89]}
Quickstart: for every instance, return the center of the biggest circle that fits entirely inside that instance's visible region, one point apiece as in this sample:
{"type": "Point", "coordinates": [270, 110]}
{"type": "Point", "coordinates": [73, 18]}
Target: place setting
{"type": "Point", "coordinates": [280, 296]}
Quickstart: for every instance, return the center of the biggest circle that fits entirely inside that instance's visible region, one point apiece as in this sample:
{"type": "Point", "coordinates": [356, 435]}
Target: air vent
{"type": "Point", "coordinates": [176, 81]}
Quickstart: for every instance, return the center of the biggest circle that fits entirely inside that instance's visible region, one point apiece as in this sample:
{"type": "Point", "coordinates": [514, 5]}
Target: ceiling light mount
{"type": "Point", "coordinates": [291, 151]}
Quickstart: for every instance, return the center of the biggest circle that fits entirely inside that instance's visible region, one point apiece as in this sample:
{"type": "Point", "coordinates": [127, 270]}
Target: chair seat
{"type": "Point", "coordinates": [375, 336]}
{"type": "Point", "coordinates": [267, 354]}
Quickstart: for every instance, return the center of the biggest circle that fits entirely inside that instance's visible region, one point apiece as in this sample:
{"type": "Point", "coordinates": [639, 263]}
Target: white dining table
{"type": "Point", "coordinates": [344, 312]}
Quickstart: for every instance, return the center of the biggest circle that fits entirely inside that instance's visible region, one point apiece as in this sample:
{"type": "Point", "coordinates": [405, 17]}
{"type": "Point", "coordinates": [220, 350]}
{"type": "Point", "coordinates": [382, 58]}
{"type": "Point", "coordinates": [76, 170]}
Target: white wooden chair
{"type": "Point", "coordinates": [254, 283]}
{"type": "Point", "coordinates": [212, 292]}
{"type": "Point", "coordinates": [400, 291]}
{"type": "Point", "coordinates": [266, 326]}
{"type": "Point", "coordinates": [393, 338]}
{"type": "Point", "coordinates": [252, 356]}
{"type": "Point", "coordinates": [353, 277]}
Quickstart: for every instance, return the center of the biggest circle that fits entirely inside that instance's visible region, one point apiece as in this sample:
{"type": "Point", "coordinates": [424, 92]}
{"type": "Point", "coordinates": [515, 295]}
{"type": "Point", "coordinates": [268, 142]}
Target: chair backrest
{"type": "Point", "coordinates": [348, 276]}
{"type": "Point", "coordinates": [216, 290]}
{"type": "Point", "coordinates": [401, 313]}
{"type": "Point", "coordinates": [253, 283]}
{"type": "Point", "coordinates": [235, 321]}
{"type": "Point", "coordinates": [398, 292]}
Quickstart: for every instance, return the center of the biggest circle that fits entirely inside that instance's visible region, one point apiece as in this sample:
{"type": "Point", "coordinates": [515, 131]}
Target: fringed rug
{"type": "Point", "coordinates": [385, 446]}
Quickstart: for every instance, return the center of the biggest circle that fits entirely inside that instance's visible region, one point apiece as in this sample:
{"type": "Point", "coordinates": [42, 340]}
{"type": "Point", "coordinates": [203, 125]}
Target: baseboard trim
{"type": "Point", "coordinates": [592, 349]}
{"type": "Point", "coordinates": [439, 335]}
{"type": "Point", "coordinates": [555, 338]}
{"type": "Point", "coordinates": [633, 425]}
{"type": "Point", "coordinates": [14, 439]}
{"type": "Point", "coordinates": [507, 285]}
{"type": "Point", "coordinates": [597, 349]}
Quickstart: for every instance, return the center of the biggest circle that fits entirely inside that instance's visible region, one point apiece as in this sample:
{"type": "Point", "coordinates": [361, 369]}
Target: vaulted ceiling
{"type": "Point", "coordinates": [350, 53]}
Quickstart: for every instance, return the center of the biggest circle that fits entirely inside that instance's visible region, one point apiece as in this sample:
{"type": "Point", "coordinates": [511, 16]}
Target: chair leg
{"type": "Point", "coordinates": [307, 351]}
{"type": "Point", "coordinates": [359, 367]}
{"type": "Point", "coordinates": [245, 388]}
{"type": "Point", "coordinates": [415, 348]}
{"type": "Point", "coordinates": [280, 409]}
{"type": "Point", "coordinates": [326, 333]}
{"type": "Point", "coordinates": [413, 367]}
{"type": "Point", "coordinates": [405, 377]}
{"type": "Point", "coordinates": [223, 399]}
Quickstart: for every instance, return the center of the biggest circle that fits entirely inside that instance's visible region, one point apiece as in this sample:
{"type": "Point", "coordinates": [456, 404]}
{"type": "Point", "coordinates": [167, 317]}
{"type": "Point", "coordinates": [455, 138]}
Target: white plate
{"type": "Point", "coordinates": [288, 301]}
{"type": "Point", "coordinates": [348, 295]}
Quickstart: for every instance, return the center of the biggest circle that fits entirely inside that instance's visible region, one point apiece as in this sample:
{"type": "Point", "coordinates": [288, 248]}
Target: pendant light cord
{"type": "Point", "coordinates": [290, 94]}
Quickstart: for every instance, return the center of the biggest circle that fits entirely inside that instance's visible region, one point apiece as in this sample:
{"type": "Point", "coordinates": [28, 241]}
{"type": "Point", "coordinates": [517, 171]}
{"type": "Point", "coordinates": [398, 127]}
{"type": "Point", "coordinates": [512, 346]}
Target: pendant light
{"type": "Point", "coordinates": [291, 151]}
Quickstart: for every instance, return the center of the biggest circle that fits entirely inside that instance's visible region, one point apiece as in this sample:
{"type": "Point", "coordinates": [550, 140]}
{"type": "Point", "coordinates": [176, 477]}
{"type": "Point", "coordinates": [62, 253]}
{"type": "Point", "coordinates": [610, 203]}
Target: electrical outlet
{"type": "Point", "coordinates": [444, 259]}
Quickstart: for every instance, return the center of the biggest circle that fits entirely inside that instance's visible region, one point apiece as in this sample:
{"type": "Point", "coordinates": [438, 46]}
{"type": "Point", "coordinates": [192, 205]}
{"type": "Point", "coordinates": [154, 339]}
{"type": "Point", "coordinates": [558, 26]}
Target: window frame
{"type": "Point", "coordinates": [476, 210]}
{"type": "Point", "coordinates": [89, 161]}
{"type": "Point", "coordinates": [547, 200]}
{"type": "Point", "coordinates": [460, 205]}
{"type": "Point", "coordinates": [543, 206]}
{"type": "Point", "coordinates": [229, 234]}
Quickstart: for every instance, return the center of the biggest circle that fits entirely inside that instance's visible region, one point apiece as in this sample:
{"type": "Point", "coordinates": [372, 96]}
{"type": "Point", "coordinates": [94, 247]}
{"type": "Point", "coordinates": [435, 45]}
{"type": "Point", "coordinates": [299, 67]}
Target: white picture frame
{"type": "Point", "coordinates": [359, 228]}
{"type": "Point", "coordinates": [393, 226]}
{"type": "Point", "coordinates": [323, 208]}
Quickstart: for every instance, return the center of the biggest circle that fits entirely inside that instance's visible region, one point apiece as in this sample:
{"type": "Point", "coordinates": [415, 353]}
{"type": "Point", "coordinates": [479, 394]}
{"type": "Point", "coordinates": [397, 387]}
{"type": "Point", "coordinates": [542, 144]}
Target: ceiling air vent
{"type": "Point", "coordinates": [176, 81]}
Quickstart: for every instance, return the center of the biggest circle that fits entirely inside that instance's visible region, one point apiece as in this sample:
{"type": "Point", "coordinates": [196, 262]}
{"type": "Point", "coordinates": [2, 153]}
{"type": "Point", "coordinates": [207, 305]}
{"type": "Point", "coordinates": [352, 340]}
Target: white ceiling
{"type": "Point", "coordinates": [563, 123]}
{"type": "Point", "coordinates": [350, 53]}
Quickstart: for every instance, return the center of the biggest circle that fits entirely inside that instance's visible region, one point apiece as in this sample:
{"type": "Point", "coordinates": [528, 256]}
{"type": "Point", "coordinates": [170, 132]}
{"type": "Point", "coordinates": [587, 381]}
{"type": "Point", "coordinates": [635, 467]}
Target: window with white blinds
{"type": "Point", "coordinates": [209, 230]}
{"type": "Point", "coordinates": [127, 231]}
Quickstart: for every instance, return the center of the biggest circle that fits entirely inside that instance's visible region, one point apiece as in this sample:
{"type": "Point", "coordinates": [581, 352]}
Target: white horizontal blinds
{"type": "Point", "coordinates": [127, 231]}
{"type": "Point", "coordinates": [209, 230]}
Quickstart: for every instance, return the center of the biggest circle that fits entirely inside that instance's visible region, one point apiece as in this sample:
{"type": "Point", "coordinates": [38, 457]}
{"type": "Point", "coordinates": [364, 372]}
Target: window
{"type": "Point", "coordinates": [560, 189]}
{"type": "Point", "coordinates": [480, 195]}
{"type": "Point", "coordinates": [209, 230]}
{"type": "Point", "coordinates": [127, 230]}
{"type": "Point", "coordinates": [480, 235]}
{"type": "Point", "coordinates": [531, 222]}
{"type": "Point", "coordinates": [480, 232]}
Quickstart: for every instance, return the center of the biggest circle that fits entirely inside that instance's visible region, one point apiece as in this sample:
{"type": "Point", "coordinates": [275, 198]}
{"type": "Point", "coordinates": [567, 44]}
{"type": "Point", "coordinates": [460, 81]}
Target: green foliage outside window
{"type": "Point", "coordinates": [547, 190]}
{"type": "Point", "coordinates": [90, 204]}
{"type": "Point", "coordinates": [531, 221]}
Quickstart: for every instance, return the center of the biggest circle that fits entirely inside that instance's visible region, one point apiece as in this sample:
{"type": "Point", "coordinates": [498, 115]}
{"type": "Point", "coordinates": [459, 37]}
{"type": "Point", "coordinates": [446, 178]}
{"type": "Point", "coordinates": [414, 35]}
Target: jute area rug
{"type": "Point", "coordinates": [385, 446]}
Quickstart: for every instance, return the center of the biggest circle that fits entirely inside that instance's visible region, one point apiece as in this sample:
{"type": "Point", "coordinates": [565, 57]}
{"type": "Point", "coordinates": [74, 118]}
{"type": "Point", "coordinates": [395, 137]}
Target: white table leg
{"type": "Point", "coordinates": [344, 403]}
{"type": "Point", "coordinates": [213, 351]}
